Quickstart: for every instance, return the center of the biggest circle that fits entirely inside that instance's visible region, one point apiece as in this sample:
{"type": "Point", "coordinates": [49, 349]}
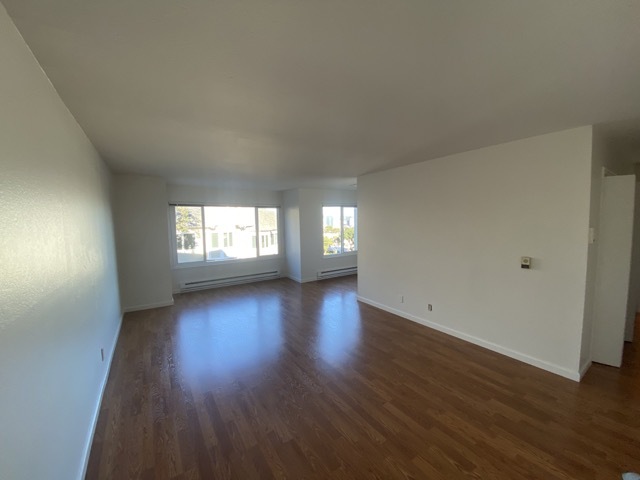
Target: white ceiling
{"type": "Point", "coordinates": [291, 93]}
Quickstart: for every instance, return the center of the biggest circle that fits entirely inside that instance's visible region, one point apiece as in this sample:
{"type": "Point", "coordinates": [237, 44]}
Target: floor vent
{"type": "Point", "coordinates": [337, 272]}
{"type": "Point", "coordinates": [227, 281]}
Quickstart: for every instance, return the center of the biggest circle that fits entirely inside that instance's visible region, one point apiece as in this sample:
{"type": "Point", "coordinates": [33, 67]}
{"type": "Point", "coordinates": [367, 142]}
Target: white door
{"type": "Point", "coordinates": [634, 284]}
{"type": "Point", "coordinates": [613, 268]}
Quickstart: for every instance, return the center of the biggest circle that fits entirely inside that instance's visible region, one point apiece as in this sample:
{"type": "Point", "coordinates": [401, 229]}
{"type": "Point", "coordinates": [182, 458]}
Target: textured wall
{"type": "Point", "coordinates": [58, 283]}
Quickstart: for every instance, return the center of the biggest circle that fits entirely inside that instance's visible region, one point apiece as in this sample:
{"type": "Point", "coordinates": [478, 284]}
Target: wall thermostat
{"type": "Point", "coordinates": [525, 262]}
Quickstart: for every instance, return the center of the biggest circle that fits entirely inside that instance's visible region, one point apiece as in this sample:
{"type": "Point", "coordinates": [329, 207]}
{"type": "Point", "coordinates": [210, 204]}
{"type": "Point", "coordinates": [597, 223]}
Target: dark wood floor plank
{"type": "Point", "coordinates": [284, 381]}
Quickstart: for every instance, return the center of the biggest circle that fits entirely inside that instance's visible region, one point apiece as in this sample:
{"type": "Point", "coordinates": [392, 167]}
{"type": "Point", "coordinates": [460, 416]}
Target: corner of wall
{"type": "Point", "coordinates": [574, 375]}
{"type": "Point", "coordinates": [96, 413]}
{"type": "Point", "coordinates": [140, 211]}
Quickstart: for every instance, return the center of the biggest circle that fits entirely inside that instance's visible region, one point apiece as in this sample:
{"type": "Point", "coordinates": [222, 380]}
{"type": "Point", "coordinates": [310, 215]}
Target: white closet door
{"type": "Point", "coordinates": [613, 268]}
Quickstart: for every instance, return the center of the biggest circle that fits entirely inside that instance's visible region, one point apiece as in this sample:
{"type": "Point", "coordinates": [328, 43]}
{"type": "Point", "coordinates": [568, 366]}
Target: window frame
{"type": "Point", "coordinates": [204, 263]}
{"type": "Point", "coordinates": [342, 253]}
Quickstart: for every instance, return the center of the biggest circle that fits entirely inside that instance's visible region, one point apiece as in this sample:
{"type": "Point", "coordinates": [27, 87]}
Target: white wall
{"type": "Point", "coordinates": [178, 194]}
{"type": "Point", "coordinates": [237, 197]}
{"type": "Point", "coordinates": [291, 207]}
{"type": "Point", "coordinates": [59, 282]}
{"type": "Point", "coordinates": [451, 231]}
{"type": "Point", "coordinates": [142, 239]}
{"type": "Point", "coordinates": [598, 160]}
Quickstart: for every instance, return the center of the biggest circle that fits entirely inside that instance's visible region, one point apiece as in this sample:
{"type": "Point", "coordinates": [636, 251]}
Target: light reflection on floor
{"type": "Point", "coordinates": [230, 338]}
{"type": "Point", "coordinates": [338, 327]}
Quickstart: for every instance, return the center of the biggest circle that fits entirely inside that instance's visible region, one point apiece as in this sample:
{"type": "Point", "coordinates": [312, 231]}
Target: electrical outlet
{"type": "Point", "coordinates": [430, 307]}
{"type": "Point", "coordinates": [102, 354]}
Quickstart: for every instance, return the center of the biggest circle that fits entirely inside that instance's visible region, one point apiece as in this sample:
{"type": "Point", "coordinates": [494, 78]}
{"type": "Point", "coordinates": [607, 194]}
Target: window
{"type": "Point", "coordinates": [228, 239]}
{"type": "Point", "coordinates": [212, 234]}
{"type": "Point", "coordinates": [344, 237]}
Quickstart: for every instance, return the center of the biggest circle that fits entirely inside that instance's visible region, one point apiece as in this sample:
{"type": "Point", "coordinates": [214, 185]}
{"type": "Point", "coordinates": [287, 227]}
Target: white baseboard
{"type": "Point", "coordinates": [136, 308]}
{"type": "Point", "coordinates": [302, 280]}
{"type": "Point", "coordinates": [96, 412]}
{"type": "Point", "coordinates": [584, 368]}
{"type": "Point", "coordinates": [536, 362]}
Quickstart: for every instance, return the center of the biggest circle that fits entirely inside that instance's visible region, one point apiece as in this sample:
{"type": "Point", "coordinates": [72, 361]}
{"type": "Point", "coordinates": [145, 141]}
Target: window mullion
{"type": "Point", "coordinates": [341, 229]}
{"type": "Point", "coordinates": [173, 234]}
{"type": "Point", "coordinates": [257, 232]}
{"type": "Point", "coordinates": [204, 234]}
{"type": "Point", "coordinates": [355, 228]}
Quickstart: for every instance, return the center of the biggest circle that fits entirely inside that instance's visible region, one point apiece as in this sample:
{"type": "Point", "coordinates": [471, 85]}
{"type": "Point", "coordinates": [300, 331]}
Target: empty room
{"type": "Point", "coordinates": [291, 239]}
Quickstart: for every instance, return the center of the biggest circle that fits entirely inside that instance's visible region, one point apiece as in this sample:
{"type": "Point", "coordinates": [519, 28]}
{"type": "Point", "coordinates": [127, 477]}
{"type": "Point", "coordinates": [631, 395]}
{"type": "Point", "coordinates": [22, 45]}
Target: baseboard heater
{"type": "Point", "coordinates": [227, 281]}
{"type": "Point", "coordinates": [337, 272]}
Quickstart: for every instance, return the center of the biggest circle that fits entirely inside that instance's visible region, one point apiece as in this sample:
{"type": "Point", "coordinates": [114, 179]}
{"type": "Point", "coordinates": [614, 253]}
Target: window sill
{"type": "Point", "coordinates": [339, 255]}
{"type": "Point", "coordinates": [210, 263]}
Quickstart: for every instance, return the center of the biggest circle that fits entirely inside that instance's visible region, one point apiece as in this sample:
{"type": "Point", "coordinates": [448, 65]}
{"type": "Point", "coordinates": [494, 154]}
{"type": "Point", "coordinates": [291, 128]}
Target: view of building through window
{"type": "Point", "coordinates": [340, 231]}
{"type": "Point", "coordinates": [268, 230]}
{"type": "Point", "coordinates": [213, 234]}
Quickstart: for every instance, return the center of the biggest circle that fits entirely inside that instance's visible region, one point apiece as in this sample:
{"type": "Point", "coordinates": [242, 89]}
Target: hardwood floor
{"type": "Point", "coordinates": [281, 380]}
